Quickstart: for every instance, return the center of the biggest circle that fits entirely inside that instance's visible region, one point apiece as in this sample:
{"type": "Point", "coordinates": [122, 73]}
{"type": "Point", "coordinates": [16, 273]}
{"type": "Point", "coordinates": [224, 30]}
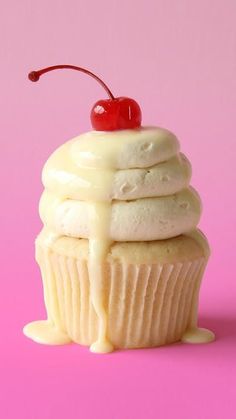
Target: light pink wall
{"type": "Point", "coordinates": [178, 59]}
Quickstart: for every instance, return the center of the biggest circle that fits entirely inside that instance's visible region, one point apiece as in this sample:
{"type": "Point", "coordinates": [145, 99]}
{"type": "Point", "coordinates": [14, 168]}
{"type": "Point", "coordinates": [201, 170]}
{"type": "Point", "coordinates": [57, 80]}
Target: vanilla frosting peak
{"type": "Point", "coordinates": [124, 149]}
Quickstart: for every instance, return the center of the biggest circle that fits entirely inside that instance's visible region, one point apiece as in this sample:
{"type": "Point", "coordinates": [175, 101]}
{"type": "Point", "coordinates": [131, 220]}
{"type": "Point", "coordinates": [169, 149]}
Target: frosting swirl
{"type": "Point", "coordinates": [141, 173]}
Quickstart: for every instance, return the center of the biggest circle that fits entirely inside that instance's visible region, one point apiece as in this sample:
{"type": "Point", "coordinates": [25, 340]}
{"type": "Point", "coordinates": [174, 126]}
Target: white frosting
{"type": "Point", "coordinates": [125, 149]}
{"type": "Point", "coordinates": [143, 167]}
{"type": "Point", "coordinates": [65, 179]}
{"type": "Point", "coordinates": [137, 220]}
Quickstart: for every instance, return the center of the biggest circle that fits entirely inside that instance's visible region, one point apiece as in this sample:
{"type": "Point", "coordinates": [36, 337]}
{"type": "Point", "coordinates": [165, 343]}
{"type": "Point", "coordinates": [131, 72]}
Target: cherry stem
{"type": "Point", "coordinates": [35, 75]}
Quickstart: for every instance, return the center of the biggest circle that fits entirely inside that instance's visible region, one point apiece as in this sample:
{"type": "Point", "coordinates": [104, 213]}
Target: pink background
{"type": "Point", "coordinates": [178, 59]}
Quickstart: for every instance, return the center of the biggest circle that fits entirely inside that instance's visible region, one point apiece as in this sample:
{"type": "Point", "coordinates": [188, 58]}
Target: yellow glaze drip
{"type": "Point", "coordinates": [44, 332]}
{"type": "Point", "coordinates": [198, 335]}
{"type": "Point", "coordinates": [99, 244]}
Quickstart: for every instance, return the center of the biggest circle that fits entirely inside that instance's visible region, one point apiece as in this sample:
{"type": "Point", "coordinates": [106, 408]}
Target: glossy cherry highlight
{"type": "Point", "coordinates": [111, 114]}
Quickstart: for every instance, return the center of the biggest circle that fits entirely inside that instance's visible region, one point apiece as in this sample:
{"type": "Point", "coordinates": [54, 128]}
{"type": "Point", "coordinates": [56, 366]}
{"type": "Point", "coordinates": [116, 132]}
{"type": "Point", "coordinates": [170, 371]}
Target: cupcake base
{"type": "Point", "coordinates": [150, 292]}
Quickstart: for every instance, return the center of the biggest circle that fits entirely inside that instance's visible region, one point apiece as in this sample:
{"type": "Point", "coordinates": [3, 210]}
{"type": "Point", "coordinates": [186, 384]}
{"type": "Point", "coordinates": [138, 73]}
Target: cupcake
{"type": "Point", "coordinates": [120, 254]}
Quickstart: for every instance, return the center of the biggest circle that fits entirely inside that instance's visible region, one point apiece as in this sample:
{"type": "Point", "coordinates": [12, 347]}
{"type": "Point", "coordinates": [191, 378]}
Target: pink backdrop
{"type": "Point", "coordinates": [178, 59]}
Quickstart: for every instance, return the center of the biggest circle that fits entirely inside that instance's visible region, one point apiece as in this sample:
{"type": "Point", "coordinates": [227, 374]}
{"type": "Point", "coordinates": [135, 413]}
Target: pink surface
{"type": "Point", "coordinates": [177, 58]}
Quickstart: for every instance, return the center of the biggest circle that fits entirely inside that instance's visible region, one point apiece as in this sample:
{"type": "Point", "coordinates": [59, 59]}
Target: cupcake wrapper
{"type": "Point", "coordinates": [147, 305]}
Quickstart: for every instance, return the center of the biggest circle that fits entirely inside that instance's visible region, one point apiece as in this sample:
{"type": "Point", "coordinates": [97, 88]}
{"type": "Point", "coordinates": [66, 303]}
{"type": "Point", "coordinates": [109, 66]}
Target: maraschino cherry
{"type": "Point", "coordinates": [111, 114]}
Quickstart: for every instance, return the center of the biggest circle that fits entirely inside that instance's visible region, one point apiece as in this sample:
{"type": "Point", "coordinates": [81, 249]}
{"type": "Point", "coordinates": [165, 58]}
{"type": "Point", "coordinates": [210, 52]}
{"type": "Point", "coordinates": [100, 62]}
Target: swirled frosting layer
{"type": "Point", "coordinates": [141, 175]}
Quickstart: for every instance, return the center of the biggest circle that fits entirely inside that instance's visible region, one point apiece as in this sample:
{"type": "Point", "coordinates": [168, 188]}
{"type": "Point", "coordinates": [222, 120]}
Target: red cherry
{"type": "Point", "coordinates": [115, 114]}
{"type": "Point", "coordinates": [107, 114]}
